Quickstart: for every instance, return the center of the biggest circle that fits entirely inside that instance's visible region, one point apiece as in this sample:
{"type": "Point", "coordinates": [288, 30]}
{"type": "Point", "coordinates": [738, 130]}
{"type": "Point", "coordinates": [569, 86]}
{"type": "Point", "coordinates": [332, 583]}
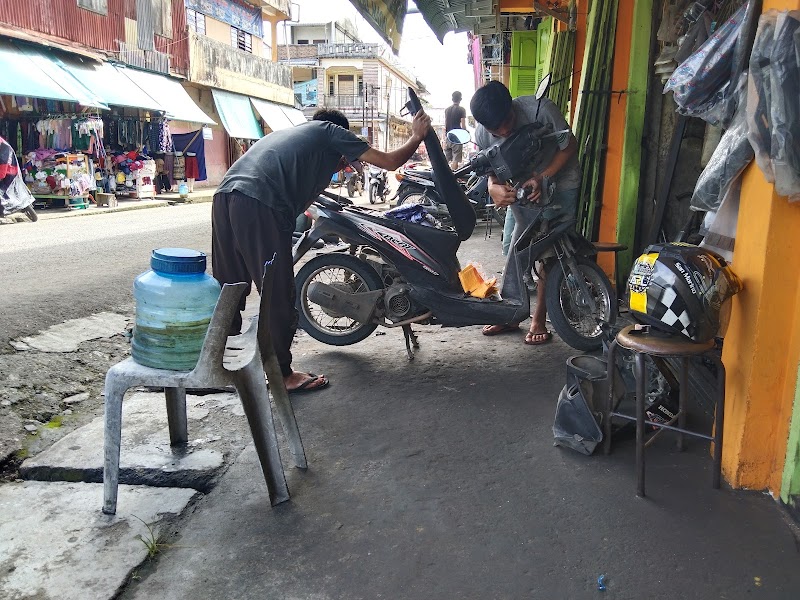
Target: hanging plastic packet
{"type": "Point", "coordinates": [705, 84]}
{"type": "Point", "coordinates": [729, 159]}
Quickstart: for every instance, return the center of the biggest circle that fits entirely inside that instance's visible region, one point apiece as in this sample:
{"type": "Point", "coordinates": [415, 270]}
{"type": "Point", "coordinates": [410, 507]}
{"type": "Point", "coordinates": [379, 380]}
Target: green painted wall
{"type": "Point", "coordinates": [638, 71]}
{"type": "Point", "coordinates": [790, 487]}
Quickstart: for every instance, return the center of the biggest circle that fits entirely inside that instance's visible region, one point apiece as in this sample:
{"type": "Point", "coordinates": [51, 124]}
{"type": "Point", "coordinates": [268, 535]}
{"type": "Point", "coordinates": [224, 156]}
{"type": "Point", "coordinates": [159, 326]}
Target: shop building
{"type": "Point", "coordinates": [233, 74]}
{"type": "Point", "coordinates": [332, 68]}
{"type": "Point", "coordinates": [642, 164]}
{"type": "Point", "coordinates": [156, 81]}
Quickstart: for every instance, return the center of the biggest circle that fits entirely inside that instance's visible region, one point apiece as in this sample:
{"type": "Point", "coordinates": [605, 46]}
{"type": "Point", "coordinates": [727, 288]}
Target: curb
{"type": "Point", "coordinates": [158, 203]}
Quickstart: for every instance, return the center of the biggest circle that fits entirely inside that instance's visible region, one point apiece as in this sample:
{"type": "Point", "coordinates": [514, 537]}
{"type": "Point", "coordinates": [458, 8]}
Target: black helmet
{"type": "Point", "coordinates": [680, 288]}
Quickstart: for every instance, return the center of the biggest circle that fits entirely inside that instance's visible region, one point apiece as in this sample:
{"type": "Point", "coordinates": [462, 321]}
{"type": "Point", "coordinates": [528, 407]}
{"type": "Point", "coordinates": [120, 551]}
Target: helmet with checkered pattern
{"type": "Point", "coordinates": [682, 289]}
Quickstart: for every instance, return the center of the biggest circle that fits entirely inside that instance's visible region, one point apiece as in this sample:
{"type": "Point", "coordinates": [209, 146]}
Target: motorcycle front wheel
{"type": "Point", "coordinates": [576, 319]}
{"type": "Point", "coordinates": [30, 212]}
{"type": "Point", "coordinates": [373, 193]}
{"type": "Point", "coordinates": [347, 274]}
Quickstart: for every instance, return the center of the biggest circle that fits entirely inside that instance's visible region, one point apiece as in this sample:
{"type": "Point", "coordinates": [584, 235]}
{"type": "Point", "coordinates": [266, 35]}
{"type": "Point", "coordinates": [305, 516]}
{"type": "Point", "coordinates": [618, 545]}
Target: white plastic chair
{"type": "Point", "coordinates": [224, 361]}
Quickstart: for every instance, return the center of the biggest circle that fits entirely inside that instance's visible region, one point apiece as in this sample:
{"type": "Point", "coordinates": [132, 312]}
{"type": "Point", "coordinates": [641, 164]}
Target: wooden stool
{"type": "Point", "coordinates": [616, 248]}
{"type": "Point", "coordinates": [641, 342]}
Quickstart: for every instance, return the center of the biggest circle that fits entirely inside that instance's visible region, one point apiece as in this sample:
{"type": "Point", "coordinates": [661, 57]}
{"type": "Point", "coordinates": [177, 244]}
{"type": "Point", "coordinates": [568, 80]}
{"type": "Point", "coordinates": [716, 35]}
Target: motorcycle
{"type": "Point", "coordinates": [353, 180]}
{"type": "Point", "coordinates": [14, 194]}
{"type": "Point", "coordinates": [395, 273]}
{"type": "Point", "coordinates": [378, 185]}
{"type": "Point", "coordinates": [418, 187]}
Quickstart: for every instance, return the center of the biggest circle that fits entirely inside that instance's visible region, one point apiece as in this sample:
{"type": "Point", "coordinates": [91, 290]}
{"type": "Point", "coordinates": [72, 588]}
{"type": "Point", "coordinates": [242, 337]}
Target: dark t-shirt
{"type": "Point", "coordinates": [287, 169]}
{"type": "Point", "coordinates": [527, 110]}
{"type": "Point", "coordinates": [452, 117]}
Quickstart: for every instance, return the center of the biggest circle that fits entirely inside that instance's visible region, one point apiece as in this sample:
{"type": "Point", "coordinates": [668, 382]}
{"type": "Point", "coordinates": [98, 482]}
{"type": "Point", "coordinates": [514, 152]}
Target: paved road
{"type": "Point", "coordinates": [59, 269]}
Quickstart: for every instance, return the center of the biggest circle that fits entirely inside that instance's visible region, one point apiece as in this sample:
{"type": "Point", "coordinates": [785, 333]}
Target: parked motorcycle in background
{"type": "Point", "coordinates": [354, 181]}
{"type": "Point", "coordinates": [378, 185]}
{"type": "Point", "coordinates": [418, 187]}
{"type": "Point", "coordinates": [14, 194]}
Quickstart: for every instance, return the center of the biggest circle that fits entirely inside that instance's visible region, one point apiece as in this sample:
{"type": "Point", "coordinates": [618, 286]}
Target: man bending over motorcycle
{"type": "Point", "coordinates": [499, 116]}
{"type": "Point", "coordinates": [259, 200]}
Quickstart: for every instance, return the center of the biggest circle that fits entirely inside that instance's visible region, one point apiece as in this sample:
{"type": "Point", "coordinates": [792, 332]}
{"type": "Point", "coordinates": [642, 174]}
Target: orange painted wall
{"type": "Point", "coordinates": [762, 347]}
{"type": "Point", "coordinates": [616, 132]}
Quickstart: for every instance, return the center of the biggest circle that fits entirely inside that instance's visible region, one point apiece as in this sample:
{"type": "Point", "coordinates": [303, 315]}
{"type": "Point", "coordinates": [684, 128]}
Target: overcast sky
{"type": "Point", "coordinates": [442, 68]}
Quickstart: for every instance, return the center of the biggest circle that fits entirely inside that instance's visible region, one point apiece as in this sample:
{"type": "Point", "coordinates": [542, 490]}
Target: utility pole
{"type": "Point", "coordinates": [388, 97]}
{"type": "Point", "coordinates": [364, 111]}
{"type": "Point", "coordinates": [373, 138]}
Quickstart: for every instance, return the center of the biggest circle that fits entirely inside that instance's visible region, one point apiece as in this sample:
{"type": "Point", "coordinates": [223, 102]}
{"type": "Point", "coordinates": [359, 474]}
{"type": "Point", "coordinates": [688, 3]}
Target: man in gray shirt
{"type": "Point", "coordinates": [261, 196]}
{"type": "Point", "coordinates": [499, 116]}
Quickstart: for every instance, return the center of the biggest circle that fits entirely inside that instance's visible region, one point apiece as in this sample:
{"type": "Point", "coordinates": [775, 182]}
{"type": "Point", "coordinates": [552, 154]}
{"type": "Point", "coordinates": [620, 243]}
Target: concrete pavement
{"type": "Point", "coordinates": [428, 479]}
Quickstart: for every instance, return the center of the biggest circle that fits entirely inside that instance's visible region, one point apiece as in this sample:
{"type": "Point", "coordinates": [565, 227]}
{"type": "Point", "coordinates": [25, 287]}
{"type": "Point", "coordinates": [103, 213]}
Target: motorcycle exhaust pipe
{"type": "Point", "coordinates": [337, 303]}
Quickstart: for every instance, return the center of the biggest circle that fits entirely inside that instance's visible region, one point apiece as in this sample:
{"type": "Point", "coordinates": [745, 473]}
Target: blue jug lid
{"type": "Point", "coordinates": [178, 261]}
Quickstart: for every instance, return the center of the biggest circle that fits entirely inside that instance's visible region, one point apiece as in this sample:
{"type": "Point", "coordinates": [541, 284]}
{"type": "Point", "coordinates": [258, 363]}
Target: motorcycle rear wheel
{"type": "Point", "coordinates": [578, 325]}
{"type": "Point", "coordinates": [346, 273]}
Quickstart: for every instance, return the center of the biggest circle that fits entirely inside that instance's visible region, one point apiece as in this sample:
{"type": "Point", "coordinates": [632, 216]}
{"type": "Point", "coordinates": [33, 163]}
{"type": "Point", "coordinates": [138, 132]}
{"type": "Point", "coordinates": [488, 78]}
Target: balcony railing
{"type": "Point", "coordinates": [350, 102]}
{"type": "Point", "coordinates": [343, 102]}
{"type": "Point", "coordinates": [350, 50]}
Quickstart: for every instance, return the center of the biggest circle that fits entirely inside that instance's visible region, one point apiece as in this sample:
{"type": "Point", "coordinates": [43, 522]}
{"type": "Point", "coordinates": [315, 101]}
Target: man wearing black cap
{"type": "Point", "coordinates": [454, 118]}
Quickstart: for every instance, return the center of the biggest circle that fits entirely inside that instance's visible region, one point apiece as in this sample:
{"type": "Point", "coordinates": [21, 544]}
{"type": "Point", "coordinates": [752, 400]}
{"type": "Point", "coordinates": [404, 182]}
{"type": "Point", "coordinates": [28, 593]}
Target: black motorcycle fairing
{"type": "Point", "coordinates": [423, 255]}
{"type": "Point", "coordinates": [442, 244]}
{"type": "Point", "coordinates": [454, 309]}
{"type": "Point", "coordinates": [461, 211]}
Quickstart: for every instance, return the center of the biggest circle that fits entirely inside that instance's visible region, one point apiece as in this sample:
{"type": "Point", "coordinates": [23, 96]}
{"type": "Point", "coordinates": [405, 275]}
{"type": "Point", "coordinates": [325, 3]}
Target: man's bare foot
{"type": "Point", "coordinates": [304, 382]}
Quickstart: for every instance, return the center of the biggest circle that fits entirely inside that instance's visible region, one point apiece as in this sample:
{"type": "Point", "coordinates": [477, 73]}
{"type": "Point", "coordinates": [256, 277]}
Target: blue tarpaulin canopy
{"type": "Point", "coordinates": [28, 71]}
{"type": "Point", "coordinates": [237, 115]}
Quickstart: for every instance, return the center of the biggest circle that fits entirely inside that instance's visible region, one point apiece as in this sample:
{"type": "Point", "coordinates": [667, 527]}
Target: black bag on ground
{"type": "Point", "coordinates": [575, 425]}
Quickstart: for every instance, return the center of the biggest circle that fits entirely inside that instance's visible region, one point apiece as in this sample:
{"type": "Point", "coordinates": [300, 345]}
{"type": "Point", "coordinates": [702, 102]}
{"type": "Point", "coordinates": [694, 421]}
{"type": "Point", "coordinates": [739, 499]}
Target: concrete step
{"type": "Point", "coordinates": [146, 456]}
{"type": "Point", "coordinates": [55, 543]}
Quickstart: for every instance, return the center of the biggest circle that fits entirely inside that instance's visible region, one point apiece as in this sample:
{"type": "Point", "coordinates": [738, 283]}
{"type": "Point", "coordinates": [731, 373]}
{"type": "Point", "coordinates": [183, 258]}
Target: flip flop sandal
{"type": "Point", "coordinates": [507, 328]}
{"type": "Point", "coordinates": [537, 339]}
{"type": "Point", "coordinates": [304, 388]}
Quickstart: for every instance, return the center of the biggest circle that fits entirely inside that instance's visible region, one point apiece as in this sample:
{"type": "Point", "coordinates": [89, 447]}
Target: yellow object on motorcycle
{"type": "Point", "coordinates": [474, 284]}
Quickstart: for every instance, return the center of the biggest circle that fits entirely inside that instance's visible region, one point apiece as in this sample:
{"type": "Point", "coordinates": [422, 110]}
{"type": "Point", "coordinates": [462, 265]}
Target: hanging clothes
{"type": "Point", "coordinates": [179, 168]}
{"type": "Point", "coordinates": [165, 140]}
{"type": "Point", "coordinates": [193, 142]}
{"type": "Point", "coordinates": [169, 167]}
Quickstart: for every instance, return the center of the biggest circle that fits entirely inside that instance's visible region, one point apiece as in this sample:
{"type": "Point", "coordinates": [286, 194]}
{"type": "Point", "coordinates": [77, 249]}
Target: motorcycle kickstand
{"type": "Point", "coordinates": [411, 341]}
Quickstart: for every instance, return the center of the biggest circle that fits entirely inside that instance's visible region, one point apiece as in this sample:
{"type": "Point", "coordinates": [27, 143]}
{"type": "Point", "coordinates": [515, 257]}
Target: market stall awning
{"type": "Point", "coordinates": [170, 96]}
{"type": "Point", "coordinates": [295, 116]}
{"type": "Point", "coordinates": [386, 18]}
{"type": "Point", "coordinates": [237, 115]}
{"type": "Point", "coordinates": [442, 16]}
{"type": "Point", "coordinates": [112, 85]}
{"type": "Point", "coordinates": [273, 115]}
{"type": "Point", "coordinates": [27, 71]}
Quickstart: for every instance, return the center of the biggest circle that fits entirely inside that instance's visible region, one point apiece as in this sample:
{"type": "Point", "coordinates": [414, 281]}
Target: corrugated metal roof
{"type": "Point", "coordinates": [443, 16]}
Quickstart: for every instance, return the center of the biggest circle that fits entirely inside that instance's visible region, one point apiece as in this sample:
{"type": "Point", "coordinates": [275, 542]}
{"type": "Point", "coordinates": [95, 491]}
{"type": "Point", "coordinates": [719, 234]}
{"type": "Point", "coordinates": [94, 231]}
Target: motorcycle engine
{"type": "Point", "coordinates": [397, 300]}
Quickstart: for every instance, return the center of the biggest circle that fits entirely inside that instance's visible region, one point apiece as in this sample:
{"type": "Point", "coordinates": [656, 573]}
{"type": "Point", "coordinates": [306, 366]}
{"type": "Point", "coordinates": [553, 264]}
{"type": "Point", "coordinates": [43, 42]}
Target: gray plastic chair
{"type": "Point", "coordinates": [224, 361]}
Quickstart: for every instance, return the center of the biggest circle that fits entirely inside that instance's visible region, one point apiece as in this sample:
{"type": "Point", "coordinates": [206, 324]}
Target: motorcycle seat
{"type": "Point", "coordinates": [424, 173]}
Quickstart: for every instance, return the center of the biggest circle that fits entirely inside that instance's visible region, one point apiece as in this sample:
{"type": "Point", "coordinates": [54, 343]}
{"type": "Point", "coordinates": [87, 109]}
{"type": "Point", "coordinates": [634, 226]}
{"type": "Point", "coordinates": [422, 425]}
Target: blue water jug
{"type": "Point", "coordinates": [174, 304]}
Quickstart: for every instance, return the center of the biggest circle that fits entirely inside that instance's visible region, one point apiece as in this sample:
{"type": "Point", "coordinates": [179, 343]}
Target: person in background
{"type": "Point", "coordinates": [499, 116]}
{"type": "Point", "coordinates": [256, 206]}
{"type": "Point", "coordinates": [454, 118]}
